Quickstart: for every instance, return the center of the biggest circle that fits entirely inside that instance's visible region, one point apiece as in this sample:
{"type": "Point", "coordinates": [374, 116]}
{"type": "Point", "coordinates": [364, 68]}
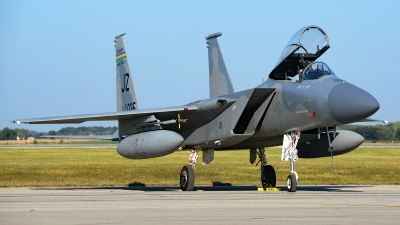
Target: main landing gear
{"type": "Point", "coordinates": [268, 175]}
{"type": "Point", "coordinates": [187, 178]}
{"type": "Point", "coordinates": [187, 172]}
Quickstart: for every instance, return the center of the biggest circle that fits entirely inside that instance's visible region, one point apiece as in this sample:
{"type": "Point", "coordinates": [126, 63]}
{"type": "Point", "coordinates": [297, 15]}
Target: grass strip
{"type": "Point", "coordinates": [104, 167]}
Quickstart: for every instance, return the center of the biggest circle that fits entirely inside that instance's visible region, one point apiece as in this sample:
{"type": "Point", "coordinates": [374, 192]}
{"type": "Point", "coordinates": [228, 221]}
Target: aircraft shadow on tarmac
{"type": "Point", "coordinates": [330, 188]}
{"type": "Point", "coordinates": [217, 186]}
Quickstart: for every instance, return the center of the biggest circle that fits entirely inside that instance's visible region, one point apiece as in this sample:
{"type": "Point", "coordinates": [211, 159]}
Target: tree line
{"type": "Point", "coordinates": [11, 134]}
{"type": "Point", "coordinates": [96, 130]}
{"type": "Point", "coordinates": [388, 132]}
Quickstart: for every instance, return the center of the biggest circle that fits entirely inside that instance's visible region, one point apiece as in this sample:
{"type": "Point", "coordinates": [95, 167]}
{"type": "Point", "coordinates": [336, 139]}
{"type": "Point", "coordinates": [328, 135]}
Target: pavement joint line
{"type": "Point", "coordinates": [19, 201]}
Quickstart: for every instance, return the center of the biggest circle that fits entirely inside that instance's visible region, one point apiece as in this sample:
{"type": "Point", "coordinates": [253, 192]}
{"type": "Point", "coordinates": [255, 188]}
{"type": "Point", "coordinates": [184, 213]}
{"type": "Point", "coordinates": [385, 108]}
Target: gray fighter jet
{"type": "Point", "coordinates": [301, 98]}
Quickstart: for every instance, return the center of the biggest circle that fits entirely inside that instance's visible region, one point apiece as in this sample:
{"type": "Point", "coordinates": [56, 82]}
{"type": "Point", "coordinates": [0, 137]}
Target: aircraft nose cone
{"type": "Point", "coordinates": [348, 103]}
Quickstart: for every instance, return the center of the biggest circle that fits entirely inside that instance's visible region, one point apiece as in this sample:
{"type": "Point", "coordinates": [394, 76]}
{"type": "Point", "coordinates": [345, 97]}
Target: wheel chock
{"type": "Point", "coordinates": [269, 189]}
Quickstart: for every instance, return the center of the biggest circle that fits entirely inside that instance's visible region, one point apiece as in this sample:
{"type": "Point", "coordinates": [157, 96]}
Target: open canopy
{"type": "Point", "coordinates": [304, 47]}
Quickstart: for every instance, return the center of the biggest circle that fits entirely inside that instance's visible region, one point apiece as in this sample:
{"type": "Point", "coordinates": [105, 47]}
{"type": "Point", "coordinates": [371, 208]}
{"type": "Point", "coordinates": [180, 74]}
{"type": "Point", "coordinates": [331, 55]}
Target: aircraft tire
{"type": "Point", "coordinates": [271, 176]}
{"type": "Point", "coordinates": [187, 178]}
{"type": "Point", "coordinates": [268, 179]}
{"type": "Point", "coordinates": [291, 183]}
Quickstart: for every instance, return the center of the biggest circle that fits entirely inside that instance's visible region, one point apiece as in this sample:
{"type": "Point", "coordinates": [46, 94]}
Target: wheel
{"type": "Point", "coordinates": [268, 177]}
{"type": "Point", "coordinates": [291, 183]}
{"type": "Point", "coordinates": [187, 178]}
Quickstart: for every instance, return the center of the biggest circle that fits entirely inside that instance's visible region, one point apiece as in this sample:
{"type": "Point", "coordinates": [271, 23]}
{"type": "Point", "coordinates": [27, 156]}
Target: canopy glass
{"type": "Point", "coordinates": [316, 70]}
{"type": "Point", "coordinates": [304, 47]}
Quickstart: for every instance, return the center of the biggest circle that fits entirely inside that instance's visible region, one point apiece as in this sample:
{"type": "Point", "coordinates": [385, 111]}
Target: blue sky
{"type": "Point", "coordinates": [57, 57]}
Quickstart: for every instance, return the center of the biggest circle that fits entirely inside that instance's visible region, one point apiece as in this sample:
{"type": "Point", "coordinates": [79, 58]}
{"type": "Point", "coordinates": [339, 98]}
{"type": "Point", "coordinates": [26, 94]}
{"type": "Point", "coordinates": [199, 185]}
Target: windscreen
{"type": "Point", "coordinates": [316, 70]}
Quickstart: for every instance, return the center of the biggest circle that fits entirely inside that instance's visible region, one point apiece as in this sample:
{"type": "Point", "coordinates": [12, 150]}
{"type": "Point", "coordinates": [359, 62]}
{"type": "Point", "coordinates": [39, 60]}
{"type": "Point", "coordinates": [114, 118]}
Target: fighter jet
{"type": "Point", "coordinates": [299, 107]}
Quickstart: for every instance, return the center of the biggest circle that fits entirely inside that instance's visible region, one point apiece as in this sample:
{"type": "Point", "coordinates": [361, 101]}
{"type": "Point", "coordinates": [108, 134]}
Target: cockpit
{"type": "Point", "coordinates": [297, 61]}
{"type": "Point", "coordinates": [316, 70]}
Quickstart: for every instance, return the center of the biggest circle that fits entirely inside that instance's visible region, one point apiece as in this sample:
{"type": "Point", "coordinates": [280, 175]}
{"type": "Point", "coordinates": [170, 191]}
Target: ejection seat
{"type": "Point", "coordinates": [304, 48]}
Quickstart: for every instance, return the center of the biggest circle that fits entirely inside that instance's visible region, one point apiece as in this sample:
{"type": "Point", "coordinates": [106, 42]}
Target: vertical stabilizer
{"type": "Point", "coordinates": [126, 96]}
{"type": "Point", "coordinates": [220, 82]}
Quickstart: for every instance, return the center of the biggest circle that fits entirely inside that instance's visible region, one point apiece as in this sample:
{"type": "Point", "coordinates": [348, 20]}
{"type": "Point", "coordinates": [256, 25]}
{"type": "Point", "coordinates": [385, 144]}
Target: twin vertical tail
{"type": "Point", "coordinates": [220, 82]}
{"type": "Point", "coordinates": [126, 96]}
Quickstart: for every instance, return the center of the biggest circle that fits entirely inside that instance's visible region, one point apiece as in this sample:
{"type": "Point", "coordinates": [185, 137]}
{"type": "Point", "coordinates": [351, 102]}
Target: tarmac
{"type": "Point", "coordinates": [366, 204]}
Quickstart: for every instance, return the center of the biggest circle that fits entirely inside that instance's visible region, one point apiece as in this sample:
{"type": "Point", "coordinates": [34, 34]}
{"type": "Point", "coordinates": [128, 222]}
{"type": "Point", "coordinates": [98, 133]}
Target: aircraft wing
{"type": "Point", "coordinates": [113, 137]}
{"type": "Point", "coordinates": [160, 113]}
{"type": "Point", "coordinates": [97, 137]}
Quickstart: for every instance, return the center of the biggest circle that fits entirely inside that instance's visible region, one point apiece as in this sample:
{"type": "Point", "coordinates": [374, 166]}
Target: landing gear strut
{"type": "Point", "coordinates": [268, 176]}
{"type": "Point", "coordinates": [289, 153]}
{"type": "Point", "coordinates": [187, 173]}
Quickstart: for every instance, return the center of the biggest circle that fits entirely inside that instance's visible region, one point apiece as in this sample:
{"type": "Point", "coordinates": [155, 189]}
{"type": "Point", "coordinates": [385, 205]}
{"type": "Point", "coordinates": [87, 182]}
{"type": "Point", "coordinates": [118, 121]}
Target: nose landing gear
{"type": "Point", "coordinates": [289, 153]}
{"type": "Point", "coordinates": [291, 183]}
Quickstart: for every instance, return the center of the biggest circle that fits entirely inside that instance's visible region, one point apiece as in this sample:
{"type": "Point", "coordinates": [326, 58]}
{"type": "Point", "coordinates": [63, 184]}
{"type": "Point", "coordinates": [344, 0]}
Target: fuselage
{"type": "Point", "coordinates": [300, 106]}
{"type": "Point", "coordinates": [304, 105]}
{"type": "Point", "coordinates": [324, 102]}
